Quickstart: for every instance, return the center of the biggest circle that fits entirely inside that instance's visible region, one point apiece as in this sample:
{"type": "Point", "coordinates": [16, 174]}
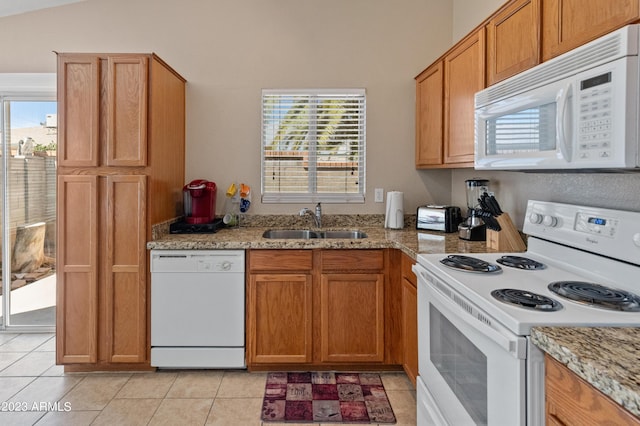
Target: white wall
{"type": "Point", "coordinates": [228, 50]}
{"type": "Point", "coordinates": [468, 14]}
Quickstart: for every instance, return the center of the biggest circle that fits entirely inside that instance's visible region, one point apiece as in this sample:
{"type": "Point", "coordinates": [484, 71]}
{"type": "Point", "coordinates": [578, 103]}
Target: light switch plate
{"type": "Point", "coordinates": [379, 195]}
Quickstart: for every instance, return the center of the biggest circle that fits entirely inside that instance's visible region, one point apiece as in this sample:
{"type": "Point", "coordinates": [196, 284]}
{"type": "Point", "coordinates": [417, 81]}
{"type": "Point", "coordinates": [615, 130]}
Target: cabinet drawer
{"type": "Point", "coordinates": [280, 260]}
{"type": "Point", "coordinates": [361, 260]}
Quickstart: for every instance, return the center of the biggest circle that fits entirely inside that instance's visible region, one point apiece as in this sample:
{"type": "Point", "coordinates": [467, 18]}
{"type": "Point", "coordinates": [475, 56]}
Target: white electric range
{"type": "Point", "coordinates": [476, 362]}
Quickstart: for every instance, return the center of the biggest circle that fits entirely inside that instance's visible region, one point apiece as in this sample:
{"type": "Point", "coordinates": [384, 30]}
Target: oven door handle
{"type": "Point", "coordinates": [459, 307]}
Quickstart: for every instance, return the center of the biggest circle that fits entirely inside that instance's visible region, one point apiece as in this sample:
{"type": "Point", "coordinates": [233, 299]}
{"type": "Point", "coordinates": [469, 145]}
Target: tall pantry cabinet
{"type": "Point", "coordinates": [121, 140]}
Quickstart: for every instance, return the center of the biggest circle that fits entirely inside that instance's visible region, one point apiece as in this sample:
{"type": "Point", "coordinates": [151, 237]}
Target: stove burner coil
{"type": "Point", "coordinates": [520, 262]}
{"type": "Point", "coordinates": [469, 264]}
{"type": "Point", "coordinates": [526, 299]}
{"type": "Point", "coordinates": [597, 295]}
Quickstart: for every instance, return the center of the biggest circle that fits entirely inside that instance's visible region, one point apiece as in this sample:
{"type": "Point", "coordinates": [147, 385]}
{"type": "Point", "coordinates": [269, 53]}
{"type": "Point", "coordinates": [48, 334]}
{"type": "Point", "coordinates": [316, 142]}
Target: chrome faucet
{"type": "Point", "coordinates": [317, 216]}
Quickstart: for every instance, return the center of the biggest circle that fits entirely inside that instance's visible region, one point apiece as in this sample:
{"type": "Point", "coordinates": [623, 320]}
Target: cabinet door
{"type": "Point", "coordinates": [127, 86]}
{"type": "Point", "coordinates": [429, 106]}
{"type": "Point", "coordinates": [571, 401]}
{"type": "Point", "coordinates": [567, 24]}
{"type": "Point", "coordinates": [464, 73]}
{"type": "Point", "coordinates": [409, 319]}
{"type": "Point", "coordinates": [279, 318]}
{"type": "Point", "coordinates": [78, 100]}
{"type": "Point", "coordinates": [410, 329]}
{"type": "Point", "coordinates": [513, 40]}
{"type": "Point", "coordinates": [352, 318]}
{"type": "Point", "coordinates": [77, 270]}
{"type": "Point", "coordinates": [125, 280]}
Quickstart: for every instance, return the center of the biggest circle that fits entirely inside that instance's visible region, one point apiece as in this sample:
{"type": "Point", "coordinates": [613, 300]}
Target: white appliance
{"type": "Point", "coordinates": [477, 365]}
{"type": "Point", "coordinates": [576, 111]}
{"type": "Point", "coordinates": [197, 309]}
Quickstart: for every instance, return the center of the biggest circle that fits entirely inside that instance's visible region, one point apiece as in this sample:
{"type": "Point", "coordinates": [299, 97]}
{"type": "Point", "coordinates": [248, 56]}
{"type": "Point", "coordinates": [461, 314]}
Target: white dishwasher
{"type": "Point", "coordinates": [197, 309]}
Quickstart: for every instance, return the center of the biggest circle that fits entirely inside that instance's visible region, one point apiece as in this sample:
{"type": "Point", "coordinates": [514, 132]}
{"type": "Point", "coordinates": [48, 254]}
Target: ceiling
{"type": "Point", "coordinates": [14, 7]}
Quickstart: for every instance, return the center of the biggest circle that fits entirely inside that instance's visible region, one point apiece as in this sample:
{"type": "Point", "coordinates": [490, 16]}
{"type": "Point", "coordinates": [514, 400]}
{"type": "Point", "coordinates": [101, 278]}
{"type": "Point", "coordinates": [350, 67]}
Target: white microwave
{"type": "Point", "coordinates": [577, 111]}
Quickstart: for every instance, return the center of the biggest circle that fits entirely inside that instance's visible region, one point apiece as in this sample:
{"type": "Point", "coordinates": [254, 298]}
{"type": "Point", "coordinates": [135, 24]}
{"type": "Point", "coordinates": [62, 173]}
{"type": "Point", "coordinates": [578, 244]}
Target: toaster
{"type": "Point", "coordinates": [438, 218]}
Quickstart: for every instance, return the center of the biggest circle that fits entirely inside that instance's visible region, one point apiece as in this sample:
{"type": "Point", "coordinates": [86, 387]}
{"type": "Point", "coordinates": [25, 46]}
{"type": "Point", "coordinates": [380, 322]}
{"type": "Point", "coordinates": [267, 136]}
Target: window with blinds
{"type": "Point", "coordinates": [313, 146]}
{"type": "Point", "coordinates": [530, 130]}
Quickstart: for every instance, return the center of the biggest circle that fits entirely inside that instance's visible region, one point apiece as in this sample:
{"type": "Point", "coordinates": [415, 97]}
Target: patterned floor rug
{"type": "Point", "coordinates": [324, 397]}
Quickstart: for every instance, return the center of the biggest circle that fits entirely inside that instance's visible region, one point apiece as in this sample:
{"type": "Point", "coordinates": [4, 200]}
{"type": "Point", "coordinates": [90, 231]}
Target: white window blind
{"type": "Point", "coordinates": [313, 145]}
{"type": "Point", "coordinates": [530, 130]}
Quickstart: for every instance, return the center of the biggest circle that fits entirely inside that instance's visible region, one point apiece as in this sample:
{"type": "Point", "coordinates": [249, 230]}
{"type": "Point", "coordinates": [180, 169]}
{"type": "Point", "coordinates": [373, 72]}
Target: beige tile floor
{"type": "Point", "coordinates": [33, 390]}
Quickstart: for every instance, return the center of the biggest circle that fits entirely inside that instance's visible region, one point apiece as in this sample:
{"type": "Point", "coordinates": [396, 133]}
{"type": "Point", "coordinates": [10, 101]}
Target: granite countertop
{"type": "Point", "coordinates": [408, 239]}
{"type": "Point", "coordinates": [608, 358]}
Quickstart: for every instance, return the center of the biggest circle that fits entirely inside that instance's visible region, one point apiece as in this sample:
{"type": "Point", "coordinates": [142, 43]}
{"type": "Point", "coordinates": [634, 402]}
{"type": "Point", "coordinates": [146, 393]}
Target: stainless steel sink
{"type": "Point", "coordinates": [343, 234]}
{"type": "Point", "coordinates": [301, 234]}
{"type": "Point", "coordinates": [306, 234]}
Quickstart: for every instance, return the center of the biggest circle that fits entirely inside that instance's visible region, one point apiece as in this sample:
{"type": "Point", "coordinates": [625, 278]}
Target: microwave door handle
{"type": "Point", "coordinates": [564, 143]}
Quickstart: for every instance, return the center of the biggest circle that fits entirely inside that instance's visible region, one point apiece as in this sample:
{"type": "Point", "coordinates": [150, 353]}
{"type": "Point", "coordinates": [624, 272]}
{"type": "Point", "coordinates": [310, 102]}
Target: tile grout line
{"type": "Point", "coordinates": [231, 376]}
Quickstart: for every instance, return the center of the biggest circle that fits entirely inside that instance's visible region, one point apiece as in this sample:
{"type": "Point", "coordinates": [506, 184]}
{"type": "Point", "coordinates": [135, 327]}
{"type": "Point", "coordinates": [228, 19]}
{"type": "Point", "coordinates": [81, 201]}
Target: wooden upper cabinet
{"type": "Point", "coordinates": [103, 118]}
{"type": "Point", "coordinates": [568, 24]}
{"type": "Point", "coordinates": [79, 114]}
{"type": "Point", "coordinates": [464, 75]}
{"type": "Point", "coordinates": [429, 109]}
{"type": "Point", "coordinates": [127, 117]}
{"type": "Point", "coordinates": [513, 40]}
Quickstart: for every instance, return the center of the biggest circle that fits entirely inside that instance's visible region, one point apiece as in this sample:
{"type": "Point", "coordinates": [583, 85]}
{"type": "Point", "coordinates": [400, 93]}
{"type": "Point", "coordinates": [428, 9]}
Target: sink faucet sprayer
{"type": "Point", "coordinates": [317, 216]}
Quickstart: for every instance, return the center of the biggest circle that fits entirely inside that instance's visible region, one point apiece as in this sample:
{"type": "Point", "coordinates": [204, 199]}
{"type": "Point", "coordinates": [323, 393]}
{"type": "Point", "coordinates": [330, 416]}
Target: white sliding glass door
{"type": "Point", "coordinates": [28, 146]}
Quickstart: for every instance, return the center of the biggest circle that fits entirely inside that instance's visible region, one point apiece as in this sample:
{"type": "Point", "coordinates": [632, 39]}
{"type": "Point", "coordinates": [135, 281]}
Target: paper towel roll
{"type": "Point", "coordinates": [394, 217]}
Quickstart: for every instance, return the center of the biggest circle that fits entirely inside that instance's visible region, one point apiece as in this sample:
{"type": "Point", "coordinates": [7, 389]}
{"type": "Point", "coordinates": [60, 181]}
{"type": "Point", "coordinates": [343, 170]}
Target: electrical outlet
{"type": "Point", "coordinates": [379, 195]}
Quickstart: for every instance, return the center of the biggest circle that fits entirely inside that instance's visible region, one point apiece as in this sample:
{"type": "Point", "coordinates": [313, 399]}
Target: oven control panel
{"type": "Point", "coordinates": [596, 225]}
{"type": "Point", "coordinates": [613, 233]}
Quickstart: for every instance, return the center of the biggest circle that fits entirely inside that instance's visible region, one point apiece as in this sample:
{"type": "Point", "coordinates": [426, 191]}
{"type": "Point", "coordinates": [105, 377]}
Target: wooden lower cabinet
{"type": "Point", "coordinates": [279, 306]}
{"type": "Point", "coordinates": [572, 401]}
{"type": "Point", "coordinates": [77, 267]}
{"type": "Point", "coordinates": [409, 319]}
{"type": "Point", "coordinates": [280, 318]}
{"type": "Point", "coordinates": [316, 308]}
{"type": "Point", "coordinates": [102, 304]}
{"type": "Point", "coordinates": [125, 270]}
{"type": "Point", "coordinates": [352, 317]}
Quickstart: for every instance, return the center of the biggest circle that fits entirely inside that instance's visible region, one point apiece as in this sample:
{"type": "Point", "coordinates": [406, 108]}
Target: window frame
{"type": "Point", "coordinates": [310, 154]}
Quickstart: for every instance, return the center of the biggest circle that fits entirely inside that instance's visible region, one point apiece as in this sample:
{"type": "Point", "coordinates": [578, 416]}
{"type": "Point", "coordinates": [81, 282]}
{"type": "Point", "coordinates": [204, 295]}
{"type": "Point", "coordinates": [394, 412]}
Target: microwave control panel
{"type": "Point", "coordinates": [594, 132]}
